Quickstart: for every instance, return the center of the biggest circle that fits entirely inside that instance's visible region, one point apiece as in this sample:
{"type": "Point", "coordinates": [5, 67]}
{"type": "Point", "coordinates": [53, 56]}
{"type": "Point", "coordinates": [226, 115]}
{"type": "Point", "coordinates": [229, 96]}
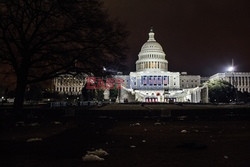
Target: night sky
{"type": "Point", "coordinates": [198, 36]}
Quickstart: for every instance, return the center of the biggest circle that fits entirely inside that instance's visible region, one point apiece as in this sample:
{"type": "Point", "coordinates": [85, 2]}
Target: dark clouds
{"type": "Point", "coordinates": [198, 36]}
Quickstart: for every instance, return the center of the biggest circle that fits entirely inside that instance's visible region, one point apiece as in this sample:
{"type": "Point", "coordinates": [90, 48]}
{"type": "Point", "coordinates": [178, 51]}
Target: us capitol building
{"type": "Point", "coordinates": [153, 82]}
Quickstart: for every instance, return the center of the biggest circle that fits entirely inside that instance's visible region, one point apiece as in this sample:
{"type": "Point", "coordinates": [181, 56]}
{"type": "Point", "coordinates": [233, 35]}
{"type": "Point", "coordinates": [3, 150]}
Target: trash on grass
{"type": "Point", "coordinates": [157, 123]}
{"type": "Point", "coordinates": [34, 124]}
{"type": "Point", "coordinates": [135, 124]}
{"type": "Point", "coordinates": [57, 123]}
{"type": "Point", "coordinates": [183, 131]}
{"type": "Point", "coordinates": [182, 118]}
{"type": "Point", "coordinates": [91, 157]}
{"type": "Point", "coordinates": [99, 152]}
{"type": "Point", "coordinates": [20, 123]}
{"type": "Point", "coordinates": [34, 139]}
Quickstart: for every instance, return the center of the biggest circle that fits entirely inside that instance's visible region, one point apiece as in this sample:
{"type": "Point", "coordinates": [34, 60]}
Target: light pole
{"type": "Point", "coordinates": [232, 69]}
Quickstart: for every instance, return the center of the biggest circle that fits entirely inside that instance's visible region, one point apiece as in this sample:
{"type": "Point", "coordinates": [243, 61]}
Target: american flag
{"type": "Point", "coordinates": [144, 80]}
{"type": "Point", "coordinates": [151, 80]}
{"type": "Point", "coordinates": [165, 80]}
{"type": "Point", "coordinates": [159, 80]}
{"type": "Point", "coordinates": [155, 80]}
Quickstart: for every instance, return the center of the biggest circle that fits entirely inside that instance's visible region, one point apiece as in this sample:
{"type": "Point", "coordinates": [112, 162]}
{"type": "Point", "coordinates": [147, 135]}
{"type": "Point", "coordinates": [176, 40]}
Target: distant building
{"type": "Point", "coordinates": [189, 81]}
{"type": "Point", "coordinates": [240, 80]}
{"type": "Point", "coordinates": [69, 84]}
{"type": "Point", "coordinates": [204, 79]}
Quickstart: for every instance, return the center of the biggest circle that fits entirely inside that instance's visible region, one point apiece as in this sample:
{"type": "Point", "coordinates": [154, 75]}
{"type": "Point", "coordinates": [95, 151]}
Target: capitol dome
{"type": "Point", "coordinates": [151, 56]}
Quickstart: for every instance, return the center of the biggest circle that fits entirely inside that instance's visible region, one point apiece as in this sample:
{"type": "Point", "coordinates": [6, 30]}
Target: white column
{"type": "Point", "coordinates": [238, 82]}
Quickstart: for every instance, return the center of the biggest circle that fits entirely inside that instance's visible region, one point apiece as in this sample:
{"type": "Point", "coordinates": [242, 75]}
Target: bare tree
{"type": "Point", "coordinates": [41, 39]}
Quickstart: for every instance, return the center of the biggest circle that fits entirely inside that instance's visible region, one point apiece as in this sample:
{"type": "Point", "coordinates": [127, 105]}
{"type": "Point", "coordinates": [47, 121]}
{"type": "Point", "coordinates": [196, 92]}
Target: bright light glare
{"type": "Point", "coordinates": [231, 68]}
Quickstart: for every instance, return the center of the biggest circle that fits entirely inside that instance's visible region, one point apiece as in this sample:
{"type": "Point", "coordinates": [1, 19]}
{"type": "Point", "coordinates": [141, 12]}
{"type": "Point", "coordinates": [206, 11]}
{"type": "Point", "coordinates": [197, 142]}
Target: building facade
{"type": "Point", "coordinates": [189, 81]}
{"type": "Point", "coordinates": [240, 80]}
{"type": "Point", "coordinates": [69, 84]}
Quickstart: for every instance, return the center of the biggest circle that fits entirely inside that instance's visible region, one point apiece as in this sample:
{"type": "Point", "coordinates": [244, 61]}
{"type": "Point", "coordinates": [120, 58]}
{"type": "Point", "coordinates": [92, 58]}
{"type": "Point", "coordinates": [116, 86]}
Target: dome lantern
{"type": "Point", "coordinates": [151, 35]}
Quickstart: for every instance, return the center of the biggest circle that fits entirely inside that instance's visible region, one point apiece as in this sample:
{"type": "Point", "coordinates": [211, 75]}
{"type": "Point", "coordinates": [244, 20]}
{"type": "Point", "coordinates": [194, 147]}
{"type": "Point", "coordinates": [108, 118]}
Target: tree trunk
{"type": "Point", "coordinates": [19, 96]}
